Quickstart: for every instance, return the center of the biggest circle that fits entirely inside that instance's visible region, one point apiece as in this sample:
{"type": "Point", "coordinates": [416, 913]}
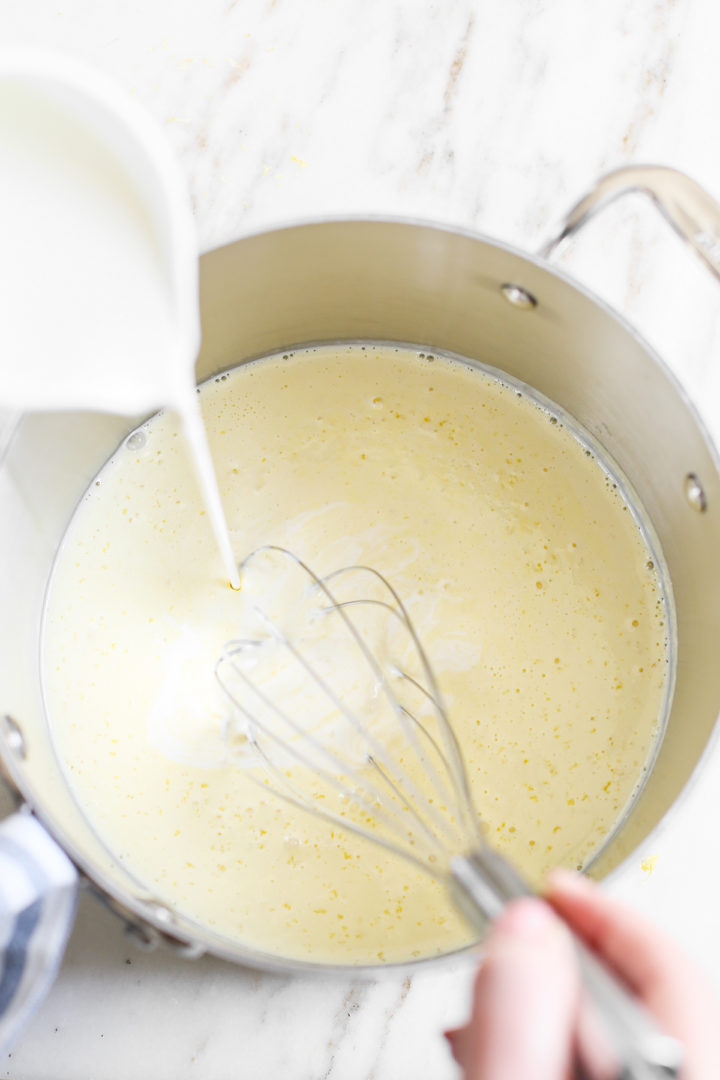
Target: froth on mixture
{"type": "Point", "coordinates": [525, 573]}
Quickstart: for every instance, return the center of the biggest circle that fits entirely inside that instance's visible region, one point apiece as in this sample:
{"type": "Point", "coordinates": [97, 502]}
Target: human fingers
{"type": "Point", "coordinates": [524, 1001]}
{"type": "Point", "coordinates": [651, 965]}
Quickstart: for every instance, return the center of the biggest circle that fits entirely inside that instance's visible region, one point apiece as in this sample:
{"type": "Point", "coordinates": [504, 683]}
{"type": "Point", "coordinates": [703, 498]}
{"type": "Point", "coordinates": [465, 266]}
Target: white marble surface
{"type": "Point", "coordinates": [484, 113]}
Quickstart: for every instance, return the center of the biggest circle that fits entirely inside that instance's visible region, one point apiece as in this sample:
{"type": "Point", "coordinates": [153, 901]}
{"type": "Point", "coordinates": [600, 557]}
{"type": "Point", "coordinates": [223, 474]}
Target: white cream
{"type": "Point", "coordinates": [521, 566]}
{"type": "Point", "coordinates": [88, 317]}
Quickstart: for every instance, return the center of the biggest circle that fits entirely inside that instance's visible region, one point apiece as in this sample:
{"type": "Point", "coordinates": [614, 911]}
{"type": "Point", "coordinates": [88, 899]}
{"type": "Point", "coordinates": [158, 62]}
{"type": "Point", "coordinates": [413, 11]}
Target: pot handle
{"type": "Point", "coordinates": [692, 212]}
{"type": "Point", "coordinates": [38, 897]}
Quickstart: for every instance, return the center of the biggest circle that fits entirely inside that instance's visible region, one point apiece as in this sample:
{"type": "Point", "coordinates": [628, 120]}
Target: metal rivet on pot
{"type": "Point", "coordinates": [13, 736]}
{"type": "Point", "coordinates": [695, 494]}
{"type": "Point", "coordinates": [136, 441]}
{"type": "Point", "coordinates": [162, 913]}
{"type": "Point", "coordinates": [518, 297]}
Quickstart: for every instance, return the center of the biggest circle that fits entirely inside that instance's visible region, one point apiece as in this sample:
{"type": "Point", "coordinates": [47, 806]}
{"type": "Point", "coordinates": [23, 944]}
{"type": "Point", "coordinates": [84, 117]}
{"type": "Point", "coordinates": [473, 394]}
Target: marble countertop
{"type": "Point", "coordinates": [494, 116]}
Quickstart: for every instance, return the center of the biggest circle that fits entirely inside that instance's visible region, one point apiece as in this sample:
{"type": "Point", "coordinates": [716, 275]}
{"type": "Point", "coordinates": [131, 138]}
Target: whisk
{"type": "Point", "coordinates": [334, 694]}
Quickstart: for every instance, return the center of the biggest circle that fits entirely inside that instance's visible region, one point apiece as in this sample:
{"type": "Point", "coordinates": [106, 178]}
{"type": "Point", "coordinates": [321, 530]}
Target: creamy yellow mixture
{"type": "Point", "coordinates": [526, 575]}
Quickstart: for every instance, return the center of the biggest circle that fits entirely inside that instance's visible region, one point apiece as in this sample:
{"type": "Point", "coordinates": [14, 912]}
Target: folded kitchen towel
{"type": "Point", "coordinates": [38, 895]}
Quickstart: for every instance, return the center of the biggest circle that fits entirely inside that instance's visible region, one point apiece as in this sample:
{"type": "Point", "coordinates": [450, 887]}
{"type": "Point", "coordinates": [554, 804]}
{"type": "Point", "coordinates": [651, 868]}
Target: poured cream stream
{"type": "Point", "coordinates": [523, 570]}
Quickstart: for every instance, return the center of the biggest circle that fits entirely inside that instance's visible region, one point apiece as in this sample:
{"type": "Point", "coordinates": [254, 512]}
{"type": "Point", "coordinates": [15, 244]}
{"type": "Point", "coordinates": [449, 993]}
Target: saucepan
{"type": "Point", "coordinates": [414, 283]}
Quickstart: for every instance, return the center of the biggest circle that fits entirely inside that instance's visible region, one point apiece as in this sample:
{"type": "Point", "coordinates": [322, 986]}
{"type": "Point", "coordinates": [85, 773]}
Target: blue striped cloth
{"type": "Point", "coordinates": [38, 895]}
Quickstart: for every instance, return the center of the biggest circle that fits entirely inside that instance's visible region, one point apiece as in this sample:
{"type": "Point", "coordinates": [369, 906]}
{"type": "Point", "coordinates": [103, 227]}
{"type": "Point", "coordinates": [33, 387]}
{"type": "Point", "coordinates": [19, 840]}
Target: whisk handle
{"type": "Point", "coordinates": [612, 1025]}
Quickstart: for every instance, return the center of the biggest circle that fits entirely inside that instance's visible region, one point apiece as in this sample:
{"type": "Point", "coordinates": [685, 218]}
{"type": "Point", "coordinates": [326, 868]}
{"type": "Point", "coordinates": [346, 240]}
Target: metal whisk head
{"type": "Point", "coordinates": [334, 691]}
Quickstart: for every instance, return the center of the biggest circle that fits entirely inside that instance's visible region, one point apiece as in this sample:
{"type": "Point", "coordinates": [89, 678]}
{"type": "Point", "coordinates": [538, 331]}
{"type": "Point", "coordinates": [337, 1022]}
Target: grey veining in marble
{"type": "Point", "coordinates": [490, 114]}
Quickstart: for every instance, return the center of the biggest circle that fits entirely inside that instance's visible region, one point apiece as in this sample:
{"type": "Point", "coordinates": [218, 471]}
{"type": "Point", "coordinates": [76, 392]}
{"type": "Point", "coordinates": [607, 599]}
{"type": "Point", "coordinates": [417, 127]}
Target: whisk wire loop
{"type": "Point", "coordinates": [457, 771]}
{"type": "Point", "coordinates": [295, 797]}
{"type": "Point", "coordinates": [443, 827]}
{"type": "Point", "coordinates": [398, 610]}
{"type": "Point", "coordinates": [255, 726]}
{"type": "Point", "coordinates": [410, 723]}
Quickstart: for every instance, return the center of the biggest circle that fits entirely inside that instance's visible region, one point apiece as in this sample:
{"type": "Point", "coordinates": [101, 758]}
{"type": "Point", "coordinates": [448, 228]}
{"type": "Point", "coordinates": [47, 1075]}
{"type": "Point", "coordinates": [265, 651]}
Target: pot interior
{"type": "Point", "coordinates": [395, 282]}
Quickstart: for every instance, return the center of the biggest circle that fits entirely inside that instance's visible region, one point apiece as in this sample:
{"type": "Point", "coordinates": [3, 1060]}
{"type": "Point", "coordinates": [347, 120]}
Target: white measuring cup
{"type": "Point", "coordinates": [98, 266]}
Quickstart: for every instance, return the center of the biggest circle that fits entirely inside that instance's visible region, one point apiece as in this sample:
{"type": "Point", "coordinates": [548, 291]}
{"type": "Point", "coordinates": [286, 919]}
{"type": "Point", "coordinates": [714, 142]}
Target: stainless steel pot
{"type": "Point", "coordinates": [438, 288]}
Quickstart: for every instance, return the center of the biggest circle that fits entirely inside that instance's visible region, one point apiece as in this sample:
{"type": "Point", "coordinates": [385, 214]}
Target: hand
{"type": "Point", "coordinates": [524, 1009]}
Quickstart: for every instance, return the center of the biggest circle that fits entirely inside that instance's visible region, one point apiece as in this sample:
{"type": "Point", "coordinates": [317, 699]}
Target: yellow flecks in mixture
{"type": "Point", "coordinates": [649, 864]}
{"type": "Point", "coordinates": [531, 587]}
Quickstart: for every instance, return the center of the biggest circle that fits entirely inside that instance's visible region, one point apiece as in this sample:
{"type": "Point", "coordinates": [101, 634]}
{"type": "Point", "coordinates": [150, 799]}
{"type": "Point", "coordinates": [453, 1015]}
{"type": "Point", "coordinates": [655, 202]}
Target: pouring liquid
{"type": "Point", "coordinates": [99, 307]}
{"type": "Point", "coordinates": [195, 435]}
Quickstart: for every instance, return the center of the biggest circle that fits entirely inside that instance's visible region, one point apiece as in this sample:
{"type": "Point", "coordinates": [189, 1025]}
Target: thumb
{"type": "Point", "coordinates": [525, 1000]}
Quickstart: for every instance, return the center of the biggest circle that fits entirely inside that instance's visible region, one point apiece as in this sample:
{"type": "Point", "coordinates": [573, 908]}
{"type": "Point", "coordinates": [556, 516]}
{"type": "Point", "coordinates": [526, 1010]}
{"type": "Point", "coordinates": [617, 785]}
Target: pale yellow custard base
{"type": "Point", "coordinates": [526, 574]}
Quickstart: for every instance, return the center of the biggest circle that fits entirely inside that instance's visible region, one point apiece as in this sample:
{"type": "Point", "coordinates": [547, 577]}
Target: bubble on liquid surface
{"type": "Point", "coordinates": [136, 441]}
